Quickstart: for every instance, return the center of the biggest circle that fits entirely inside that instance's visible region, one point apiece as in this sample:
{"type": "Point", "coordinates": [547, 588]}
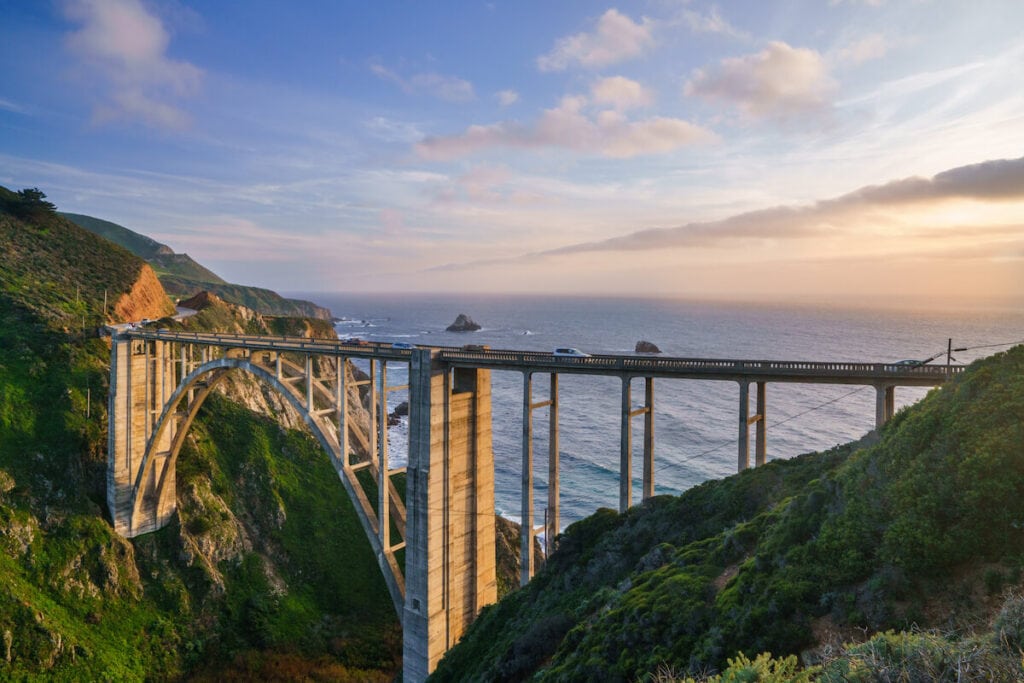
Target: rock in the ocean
{"type": "Point", "coordinates": [646, 347]}
{"type": "Point", "coordinates": [463, 323]}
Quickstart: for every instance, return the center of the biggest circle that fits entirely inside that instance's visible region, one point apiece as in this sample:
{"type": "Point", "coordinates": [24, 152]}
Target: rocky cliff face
{"type": "Point", "coordinates": [146, 299]}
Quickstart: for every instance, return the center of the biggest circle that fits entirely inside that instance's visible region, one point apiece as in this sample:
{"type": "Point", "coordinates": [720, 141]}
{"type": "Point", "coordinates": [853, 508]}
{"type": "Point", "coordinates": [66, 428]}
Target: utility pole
{"type": "Point", "coordinates": [949, 352]}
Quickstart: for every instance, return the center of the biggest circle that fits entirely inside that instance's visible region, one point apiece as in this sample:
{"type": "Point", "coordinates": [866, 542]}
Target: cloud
{"type": "Point", "coordinates": [615, 39]}
{"type": "Point", "coordinates": [11, 106]}
{"type": "Point", "coordinates": [125, 48]}
{"type": "Point", "coordinates": [447, 88]}
{"type": "Point", "coordinates": [868, 48]}
{"type": "Point", "coordinates": [712, 22]}
{"type": "Point", "coordinates": [779, 81]}
{"type": "Point", "coordinates": [569, 126]}
{"type": "Point", "coordinates": [996, 180]}
{"type": "Point", "coordinates": [622, 93]}
{"type": "Point", "coordinates": [507, 97]}
{"type": "Point", "coordinates": [389, 130]}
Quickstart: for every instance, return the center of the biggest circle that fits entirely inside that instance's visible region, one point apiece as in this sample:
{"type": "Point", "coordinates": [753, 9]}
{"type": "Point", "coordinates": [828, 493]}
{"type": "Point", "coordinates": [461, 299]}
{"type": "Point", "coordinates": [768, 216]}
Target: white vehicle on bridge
{"type": "Point", "coordinates": [568, 351]}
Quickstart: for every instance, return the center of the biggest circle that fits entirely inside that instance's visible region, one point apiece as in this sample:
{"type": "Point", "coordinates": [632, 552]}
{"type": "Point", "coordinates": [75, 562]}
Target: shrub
{"type": "Point", "coordinates": [1009, 623]}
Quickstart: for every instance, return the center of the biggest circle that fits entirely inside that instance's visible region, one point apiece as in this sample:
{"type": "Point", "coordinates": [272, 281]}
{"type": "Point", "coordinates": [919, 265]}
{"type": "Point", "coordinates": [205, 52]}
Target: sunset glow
{"type": "Point", "coordinates": [837, 151]}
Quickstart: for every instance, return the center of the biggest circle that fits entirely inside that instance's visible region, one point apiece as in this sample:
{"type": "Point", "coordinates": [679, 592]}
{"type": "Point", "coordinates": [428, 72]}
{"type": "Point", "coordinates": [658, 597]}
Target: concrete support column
{"type": "Point", "coordinates": [341, 406]}
{"type": "Point", "coordinates": [625, 449]}
{"type": "Point", "coordinates": [372, 431]}
{"type": "Point", "coordinates": [184, 363]}
{"type": "Point", "coordinates": [553, 522]}
{"type": "Point", "coordinates": [743, 459]}
{"type": "Point", "coordinates": [526, 532]}
{"type": "Point", "coordinates": [310, 408]}
{"type": "Point", "coordinates": [760, 436]}
{"type": "Point", "coordinates": [885, 404]}
{"type": "Point", "coordinates": [450, 567]}
{"type": "Point", "coordinates": [147, 391]}
{"type": "Point", "coordinates": [384, 478]}
{"type": "Point", "coordinates": [648, 437]}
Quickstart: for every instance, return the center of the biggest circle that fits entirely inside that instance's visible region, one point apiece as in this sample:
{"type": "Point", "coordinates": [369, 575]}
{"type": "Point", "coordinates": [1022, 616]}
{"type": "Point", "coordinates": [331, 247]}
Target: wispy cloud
{"type": "Point", "coordinates": [710, 22]}
{"type": "Point", "coordinates": [573, 125]}
{"type": "Point", "coordinates": [12, 106]}
{"type": "Point", "coordinates": [507, 97]}
{"type": "Point", "coordinates": [864, 49]}
{"type": "Point", "coordinates": [997, 180]}
{"type": "Point", "coordinates": [780, 81]}
{"type": "Point", "coordinates": [390, 130]}
{"type": "Point", "coordinates": [123, 49]}
{"type": "Point", "coordinates": [616, 38]}
{"type": "Point", "coordinates": [447, 88]}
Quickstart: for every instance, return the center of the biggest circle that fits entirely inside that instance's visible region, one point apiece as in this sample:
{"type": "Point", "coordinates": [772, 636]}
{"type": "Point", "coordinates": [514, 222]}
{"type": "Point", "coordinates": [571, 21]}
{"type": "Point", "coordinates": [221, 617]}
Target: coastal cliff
{"type": "Point", "coordinates": [145, 299]}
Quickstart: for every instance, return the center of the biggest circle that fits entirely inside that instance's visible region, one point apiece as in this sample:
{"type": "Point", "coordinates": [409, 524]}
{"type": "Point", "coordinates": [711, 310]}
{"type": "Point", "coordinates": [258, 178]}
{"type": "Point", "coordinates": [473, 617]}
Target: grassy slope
{"type": "Point", "coordinates": [140, 245]}
{"type": "Point", "coordinates": [79, 603]}
{"type": "Point", "coordinates": [183, 277]}
{"type": "Point", "coordinates": [886, 536]}
{"type": "Point", "coordinates": [265, 301]}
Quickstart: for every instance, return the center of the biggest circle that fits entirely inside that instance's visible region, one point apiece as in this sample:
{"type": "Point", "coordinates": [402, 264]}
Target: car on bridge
{"type": "Point", "coordinates": [405, 346]}
{"type": "Point", "coordinates": [569, 352]}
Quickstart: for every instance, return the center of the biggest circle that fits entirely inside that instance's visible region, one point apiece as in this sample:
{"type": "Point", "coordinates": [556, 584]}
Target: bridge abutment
{"type": "Point", "coordinates": [450, 558]}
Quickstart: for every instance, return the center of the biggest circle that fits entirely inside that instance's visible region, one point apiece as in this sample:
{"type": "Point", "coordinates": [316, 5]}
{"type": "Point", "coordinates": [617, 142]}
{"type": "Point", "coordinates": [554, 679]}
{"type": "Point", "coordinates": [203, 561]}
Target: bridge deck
{"type": "Point", "coordinates": [617, 365]}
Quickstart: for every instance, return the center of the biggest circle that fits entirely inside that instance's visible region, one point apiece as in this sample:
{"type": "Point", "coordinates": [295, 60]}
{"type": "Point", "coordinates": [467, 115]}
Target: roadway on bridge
{"type": "Point", "coordinates": [618, 365]}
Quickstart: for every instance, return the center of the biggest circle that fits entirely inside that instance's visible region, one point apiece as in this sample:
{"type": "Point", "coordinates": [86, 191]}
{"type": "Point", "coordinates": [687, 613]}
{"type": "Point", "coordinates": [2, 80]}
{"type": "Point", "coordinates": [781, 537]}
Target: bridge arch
{"type": "Point", "coordinates": [146, 498]}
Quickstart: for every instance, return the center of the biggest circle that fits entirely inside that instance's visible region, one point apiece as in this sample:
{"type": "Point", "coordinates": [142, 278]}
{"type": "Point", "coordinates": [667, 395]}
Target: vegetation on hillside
{"type": "Point", "coordinates": [232, 588]}
{"type": "Point", "coordinates": [140, 245]}
{"type": "Point", "coordinates": [183, 277]}
{"type": "Point", "coordinates": [55, 269]}
{"type": "Point", "coordinates": [923, 528]}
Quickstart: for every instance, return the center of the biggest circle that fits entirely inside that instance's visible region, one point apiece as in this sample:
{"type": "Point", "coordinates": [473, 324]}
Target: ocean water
{"type": "Point", "coordinates": [695, 421]}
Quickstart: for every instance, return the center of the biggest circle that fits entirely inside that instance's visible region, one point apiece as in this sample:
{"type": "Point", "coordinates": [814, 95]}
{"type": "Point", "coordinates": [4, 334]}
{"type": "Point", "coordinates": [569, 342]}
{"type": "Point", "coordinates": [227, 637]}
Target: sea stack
{"type": "Point", "coordinates": [463, 323]}
{"type": "Point", "coordinates": [647, 347]}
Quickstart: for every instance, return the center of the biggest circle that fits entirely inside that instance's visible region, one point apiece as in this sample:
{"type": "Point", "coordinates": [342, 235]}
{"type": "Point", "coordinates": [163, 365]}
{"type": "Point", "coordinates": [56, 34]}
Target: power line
{"type": "Point", "coordinates": [989, 346]}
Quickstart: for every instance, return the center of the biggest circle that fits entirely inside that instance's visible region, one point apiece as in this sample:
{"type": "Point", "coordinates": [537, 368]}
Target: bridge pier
{"type": "Point", "coordinates": [450, 563]}
{"type": "Point", "coordinates": [626, 443]}
{"type": "Point", "coordinates": [885, 404]}
{"type": "Point", "coordinates": [745, 420]}
{"type": "Point", "coordinates": [528, 529]}
{"type": "Point", "coordinates": [141, 373]}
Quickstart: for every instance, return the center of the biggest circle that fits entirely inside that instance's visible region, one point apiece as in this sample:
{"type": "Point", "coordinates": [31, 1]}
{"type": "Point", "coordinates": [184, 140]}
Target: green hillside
{"type": "Point", "coordinates": [183, 277]}
{"type": "Point", "coordinates": [169, 266]}
{"type": "Point", "coordinates": [56, 270]}
{"type": "Point", "coordinates": [140, 245]}
{"type": "Point", "coordinates": [231, 591]}
{"type": "Point", "coordinates": [923, 529]}
{"type": "Point", "coordinates": [262, 300]}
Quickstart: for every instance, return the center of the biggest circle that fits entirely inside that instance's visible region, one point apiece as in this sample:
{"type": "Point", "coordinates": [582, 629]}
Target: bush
{"type": "Point", "coordinates": [1009, 624]}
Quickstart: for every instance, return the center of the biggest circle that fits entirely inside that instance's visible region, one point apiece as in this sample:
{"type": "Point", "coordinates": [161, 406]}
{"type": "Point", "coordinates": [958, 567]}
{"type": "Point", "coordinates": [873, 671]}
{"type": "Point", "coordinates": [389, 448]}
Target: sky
{"type": "Point", "coordinates": [775, 150]}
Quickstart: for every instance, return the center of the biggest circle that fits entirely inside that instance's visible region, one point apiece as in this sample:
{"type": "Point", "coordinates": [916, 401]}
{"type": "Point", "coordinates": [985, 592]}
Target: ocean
{"type": "Point", "coordinates": [695, 421]}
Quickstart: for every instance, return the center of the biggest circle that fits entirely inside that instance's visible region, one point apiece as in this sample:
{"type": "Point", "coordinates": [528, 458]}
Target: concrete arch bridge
{"type": "Point", "coordinates": [160, 379]}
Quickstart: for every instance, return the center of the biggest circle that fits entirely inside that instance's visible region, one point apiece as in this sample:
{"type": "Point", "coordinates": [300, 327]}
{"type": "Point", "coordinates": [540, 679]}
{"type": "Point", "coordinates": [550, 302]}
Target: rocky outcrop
{"type": "Point", "coordinates": [146, 299]}
{"type": "Point", "coordinates": [201, 301]}
{"type": "Point", "coordinates": [507, 537]}
{"type": "Point", "coordinates": [463, 323]}
{"type": "Point", "coordinates": [647, 347]}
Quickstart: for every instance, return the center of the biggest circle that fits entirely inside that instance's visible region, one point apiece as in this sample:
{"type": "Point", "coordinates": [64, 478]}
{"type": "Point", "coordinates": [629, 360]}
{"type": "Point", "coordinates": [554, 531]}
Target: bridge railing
{"type": "Point", "coordinates": [598, 363]}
